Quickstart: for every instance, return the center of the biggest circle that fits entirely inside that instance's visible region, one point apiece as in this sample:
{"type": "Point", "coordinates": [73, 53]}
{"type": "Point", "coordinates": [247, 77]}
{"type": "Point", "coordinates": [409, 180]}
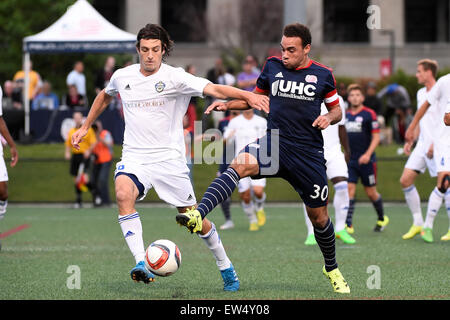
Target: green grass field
{"type": "Point", "coordinates": [272, 263]}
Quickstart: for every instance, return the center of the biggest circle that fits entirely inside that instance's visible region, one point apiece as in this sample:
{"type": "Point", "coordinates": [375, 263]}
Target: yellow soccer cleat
{"type": "Point", "coordinates": [446, 237]}
{"type": "Point", "coordinates": [253, 226]}
{"type": "Point", "coordinates": [191, 219]}
{"type": "Point", "coordinates": [413, 231]}
{"type": "Point", "coordinates": [381, 224]}
{"type": "Point", "coordinates": [350, 229]}
{"type": "Point", "coordinates": [261, 216]}
{"type": "Point", "coordinates": [337, 280]}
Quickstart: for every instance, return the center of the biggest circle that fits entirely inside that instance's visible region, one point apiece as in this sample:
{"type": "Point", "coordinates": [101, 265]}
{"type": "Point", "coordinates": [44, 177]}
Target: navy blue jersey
{"type": "Point", "coordinates": [227, 157]}
{"type": "Point", "coordinates": [360, 127]}
{"type": "Point", "coordinates": [295, 99]}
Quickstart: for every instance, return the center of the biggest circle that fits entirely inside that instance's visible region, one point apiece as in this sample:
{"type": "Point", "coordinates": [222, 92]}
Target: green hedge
{"type": "Point", "coordinates": [43, 176]}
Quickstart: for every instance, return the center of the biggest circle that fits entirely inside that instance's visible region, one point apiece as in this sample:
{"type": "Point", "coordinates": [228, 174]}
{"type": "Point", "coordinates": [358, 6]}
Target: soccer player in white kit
{"type": "Point", "coordinates": [14, 158]}
{"type": "Point", "coordinates": [155, 97]}
{"type": "Point", "coordinates": [421, 157]}
{"type": "Point", "coordinates": [438, 99]}
{"type": "Point", "coordinates": [244, 129]}
{"type": "Point", "coordinates": [334, 137]}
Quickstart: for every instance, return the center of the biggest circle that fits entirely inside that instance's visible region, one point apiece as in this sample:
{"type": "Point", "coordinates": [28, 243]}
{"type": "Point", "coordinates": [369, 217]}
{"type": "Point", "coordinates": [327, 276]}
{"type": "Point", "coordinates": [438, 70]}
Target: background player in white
{"type": "Point", "coordinates": [244, 129]}
{"type": "Point", "coordinates": [14, 158]}
{"type": "Point", "coordinates": [334, 137]}
{"type": "Point", "coordinates": [437, 99]}
{"type": "Point", "coordinates": [422, 156]}
{"type": "Point", "coordinates": [155, 97]}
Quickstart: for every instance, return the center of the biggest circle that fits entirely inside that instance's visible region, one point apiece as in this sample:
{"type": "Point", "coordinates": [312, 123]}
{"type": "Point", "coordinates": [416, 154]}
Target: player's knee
{"type": "Point", "coordinates": [445, 184]}
{"type": "Point", "coordinates": [245, 165]}
{"type": "Point", "coordinates": [123, 196]}
{"type": "Point", "coordinates": [246, 196]}
{"type": "Point", "coordinates": [318, 217]}
{"type": "Point", "coordinates": [405, 182]}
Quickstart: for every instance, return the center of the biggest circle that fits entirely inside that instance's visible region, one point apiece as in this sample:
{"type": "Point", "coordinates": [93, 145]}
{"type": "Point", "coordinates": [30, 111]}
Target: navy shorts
{"type": "Point", "coordinates": [304, 169]}
{"type": "Point", "coordinates": [367, 172]}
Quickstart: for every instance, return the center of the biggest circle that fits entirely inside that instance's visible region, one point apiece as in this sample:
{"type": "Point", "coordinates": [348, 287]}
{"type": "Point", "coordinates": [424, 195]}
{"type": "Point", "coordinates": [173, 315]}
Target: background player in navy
{"type": "Point", "coordinates": [293, 146]}
{"type": "Point", "coordinates": [227, 156]}
{"type": "Point", "coordinates": [364, 136]}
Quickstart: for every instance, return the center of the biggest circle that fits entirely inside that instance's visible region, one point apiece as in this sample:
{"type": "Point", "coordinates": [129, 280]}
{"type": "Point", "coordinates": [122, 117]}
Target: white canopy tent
{"type": "Point", "coordinates": [80, 29]}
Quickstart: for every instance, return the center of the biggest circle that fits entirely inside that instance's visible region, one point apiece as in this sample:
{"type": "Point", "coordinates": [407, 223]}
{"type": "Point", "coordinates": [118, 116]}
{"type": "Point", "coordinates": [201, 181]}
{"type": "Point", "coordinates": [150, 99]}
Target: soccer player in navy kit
{"type": "Point", "coordinates": [293, 146]}
{"type": "Point", "coordinates": [364, 136]}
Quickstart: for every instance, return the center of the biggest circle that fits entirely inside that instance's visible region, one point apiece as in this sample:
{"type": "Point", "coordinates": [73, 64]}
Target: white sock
{"type": "Point", "coordinates": [447, 205]}
{"type": "Point", "coordinates": [3, 205]}
{"type": "Point", "coordinates": [132, 231]}
{"type": "Point", "coordinates": [213, 242]}
{"type": "Point", "coordinates": [413, 201]}
{"type": "Point", "coordinates": [259, 202]}
{"type": "Point", "coordinates": [434, 203]}
{"type": "Point", "coordinates": [340, 202]}
{"type": "Point", "coordinates": [249, 210]}
{"type": "Point", "coordinates": [308, 223]}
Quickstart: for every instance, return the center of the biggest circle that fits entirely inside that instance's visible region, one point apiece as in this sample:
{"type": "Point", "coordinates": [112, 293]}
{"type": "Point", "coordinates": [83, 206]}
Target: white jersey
{"type": "Point", "coordinates": [331, 141]}
{"type": "Point", "coordinates": [428, 122]}
{"type": "Point", "coordinates": [439, 98]}
{"type": "Point", "coordinates": [245, 131]}
{"type": "Point", "coordinates": [154, 107]}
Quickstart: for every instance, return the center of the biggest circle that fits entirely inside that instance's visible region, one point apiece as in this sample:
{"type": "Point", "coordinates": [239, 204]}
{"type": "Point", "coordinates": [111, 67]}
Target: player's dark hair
{"type": "Point", "coordinates": [298, 30]}
{"type": "Point", "coordinates": [155, 31]}
{"type": "Point", "coordinates": [429, 64]}
{"type": "Point", "coordinates": [354, 86]}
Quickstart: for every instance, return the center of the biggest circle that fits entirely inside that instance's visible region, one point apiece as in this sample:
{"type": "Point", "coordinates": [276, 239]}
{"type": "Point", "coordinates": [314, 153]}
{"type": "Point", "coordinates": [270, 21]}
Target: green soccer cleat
{"type": "Point", "coordinates": [345, 237]}
{"type": "Point", "coordinates": [191, 219]}
{"type": "Point", "coordinates": [337, 280]}
{"type": "Point", "coordinates": [310, 240]}
{"type": "Point", "coordinates": [413, 231]}
{"type": "Point", "coordinates": [446, 237]}
{"type": "Point", "coordinates": [427, 235]}
{"type": "Point", "coordinates": [381, 224]}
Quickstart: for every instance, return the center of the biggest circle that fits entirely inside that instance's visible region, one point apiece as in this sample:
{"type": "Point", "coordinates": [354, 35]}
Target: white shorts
{"type": "Point", "coordinates": [418, 161]}
{"type": "Point", "coordinates": [336, 165]}
{"type": "Point", "coordinates": [3, 171]}
{"type": "Point", "coordinates": [442, 157]}
{"type": "Point", "coordinates": [247, 182]}
{"type": "Point", "coordinates": [169, 178]}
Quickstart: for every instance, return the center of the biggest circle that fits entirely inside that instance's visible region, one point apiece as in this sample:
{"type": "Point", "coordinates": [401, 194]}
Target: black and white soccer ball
{"type": "Point", "coordinates": [163, 257]}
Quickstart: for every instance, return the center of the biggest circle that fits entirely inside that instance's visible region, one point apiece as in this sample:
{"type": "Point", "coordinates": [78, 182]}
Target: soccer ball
{"type": "Point", "coordinates": [163, 258]}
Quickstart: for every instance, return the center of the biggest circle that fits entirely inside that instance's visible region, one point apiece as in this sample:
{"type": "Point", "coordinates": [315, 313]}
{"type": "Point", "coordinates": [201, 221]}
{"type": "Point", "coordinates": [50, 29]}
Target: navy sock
{"type": "Point", "coordinates": [226, 208]}
{"type": "Point", "coordinates": [219, 190]}
{"type": "Point", "coordinates": [326, 240]}
{"type": "Point", "coordinates": [378, 205]}
{"type": "Point", "coordinates": [351, 208]}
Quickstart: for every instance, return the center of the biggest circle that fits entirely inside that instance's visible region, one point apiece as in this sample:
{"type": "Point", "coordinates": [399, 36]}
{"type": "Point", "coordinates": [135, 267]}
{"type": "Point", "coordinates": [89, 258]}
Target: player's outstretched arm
{"type": "Point", "coordinates": [333, 116]}
{"type": "Point", "coordinates": [409, 134]}
{"type": "Point", "coordinates": [102, 100]}
{"type": "Point", "coordinates": [259, 102]}
{"type": "Point", "coordinates": [12, 146]}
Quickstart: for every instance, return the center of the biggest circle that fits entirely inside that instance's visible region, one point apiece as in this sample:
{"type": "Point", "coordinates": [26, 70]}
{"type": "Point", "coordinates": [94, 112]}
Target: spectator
{"type": "Point", "coordinates": [35, 81]}
{"type": "Point", "coordinates": [104, 75]}
{"type": "Point", "coordinates": [79, 158]}
{"type": "Point", "coordinates": [103, 153]}
{"type": "Point", "coordinates": [400, 123]}
{"type": "Point", "coordinates": [11, 98]}
{"type": "Point", "coordinates": [214, 73]}
{"type": "Point", "coordinates": [77, 78]}
{"type": "Point", "coordinates": [46, 99]}
{"type": "Point", "coordinates": [227, 78]}
{"type": "Point", "coordinates": [191, 112]}
{"type": "Point", "coordinates": [371, 100]}
{"type": "Point", "coordinates": [252, 59]}
{"type": "Point", "coordinates": [246, 80]}
{"type": "Point", "coordinates": [396, 97]}
{"type": "Point", "coordinates": [73, 98]}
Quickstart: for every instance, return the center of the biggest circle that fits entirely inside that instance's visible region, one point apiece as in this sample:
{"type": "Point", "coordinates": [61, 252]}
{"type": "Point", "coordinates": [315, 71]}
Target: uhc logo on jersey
{"type": "Point", "coordinates": [353, 126]}
{"type": "Point", "coordinates": [293, 89]}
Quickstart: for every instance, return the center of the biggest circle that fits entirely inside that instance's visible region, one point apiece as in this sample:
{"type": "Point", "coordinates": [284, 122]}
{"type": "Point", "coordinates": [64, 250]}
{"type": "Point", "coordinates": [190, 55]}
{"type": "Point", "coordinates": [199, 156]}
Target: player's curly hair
{"type": "Point", "coordinates": [298, 30]}
{"type": "Point", "coordinates": [155, 31]}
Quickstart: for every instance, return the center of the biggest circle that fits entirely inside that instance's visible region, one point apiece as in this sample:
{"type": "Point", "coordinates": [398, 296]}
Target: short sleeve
{"type": "Point", "coordinates": [331, 97]}
{"type": "Point", "coordinates": [111, 89]}
{"type": "Point", "coordinates": [341, 104]}
{"type": "Point", "coordinates": [374, 125]}
{"type": "Point", "coordinates": [263, 83]}
{"type": "Point", "coordinates": [188, 84]}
